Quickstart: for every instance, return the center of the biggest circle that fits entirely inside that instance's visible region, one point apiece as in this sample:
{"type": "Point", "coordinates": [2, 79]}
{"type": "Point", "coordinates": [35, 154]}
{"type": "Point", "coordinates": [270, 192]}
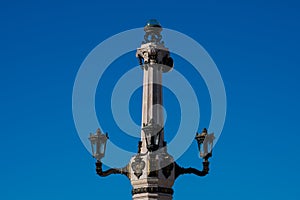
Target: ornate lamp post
{"type": "Point", "coordinates": [152, 171]}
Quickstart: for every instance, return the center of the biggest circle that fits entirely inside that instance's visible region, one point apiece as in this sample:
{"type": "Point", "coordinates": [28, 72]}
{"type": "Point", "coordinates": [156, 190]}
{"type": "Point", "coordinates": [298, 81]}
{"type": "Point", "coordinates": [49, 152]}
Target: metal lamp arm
{"type": "Point", "coordinates": [110, 171]}
{"type": "Point", "coordinates": [180, 170]}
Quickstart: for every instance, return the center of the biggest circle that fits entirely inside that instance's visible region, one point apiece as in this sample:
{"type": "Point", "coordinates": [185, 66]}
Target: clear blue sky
{"type": "Point", "coordinates": [255, 45]}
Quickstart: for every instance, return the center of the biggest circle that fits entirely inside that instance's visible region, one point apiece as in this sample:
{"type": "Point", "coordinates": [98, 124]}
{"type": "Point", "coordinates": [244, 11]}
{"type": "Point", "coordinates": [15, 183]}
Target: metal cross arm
{"type": "Point", "coordinates": [100, 172]}
{"type": "Point", "coordinates": [181, 170]}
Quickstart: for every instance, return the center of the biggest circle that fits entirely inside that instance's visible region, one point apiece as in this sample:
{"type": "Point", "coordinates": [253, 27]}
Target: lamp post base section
{"type": "Point", "coordinates": [152, 176]}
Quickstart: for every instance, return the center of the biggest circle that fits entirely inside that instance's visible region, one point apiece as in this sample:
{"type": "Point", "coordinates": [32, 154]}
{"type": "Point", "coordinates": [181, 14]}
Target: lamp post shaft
{"type": "Point", "coordinates": [152, 104]}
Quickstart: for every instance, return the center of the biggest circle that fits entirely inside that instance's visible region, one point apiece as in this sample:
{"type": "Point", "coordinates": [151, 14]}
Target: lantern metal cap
{"type": "Point", "coordinates": [153, 23]}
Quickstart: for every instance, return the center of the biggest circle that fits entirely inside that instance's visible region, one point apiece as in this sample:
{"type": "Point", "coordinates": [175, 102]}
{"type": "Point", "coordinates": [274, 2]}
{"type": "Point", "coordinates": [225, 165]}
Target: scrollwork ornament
{"type": "Point", "coordinates": [138, 166]}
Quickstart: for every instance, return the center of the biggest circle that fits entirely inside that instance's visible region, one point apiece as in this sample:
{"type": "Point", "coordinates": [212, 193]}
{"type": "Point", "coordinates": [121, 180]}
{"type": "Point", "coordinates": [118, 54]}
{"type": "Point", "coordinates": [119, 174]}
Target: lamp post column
{"type": "Point", "coordinates": [152, 170]}
{"type": "Point", "coordinates": [152, 110]}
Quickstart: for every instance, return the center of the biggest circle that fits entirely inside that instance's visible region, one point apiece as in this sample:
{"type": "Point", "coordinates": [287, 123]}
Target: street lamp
{"type": "Point", "coordinates": [152, 132]}
{"type": "Point", "coordinates": [205, 143]}
{"type": "Point", "coordinates": [98, 142]}
{"type": "Point", "coordinates": [205, 146]}
{"type": "Point", "coordinates": [152, 171]}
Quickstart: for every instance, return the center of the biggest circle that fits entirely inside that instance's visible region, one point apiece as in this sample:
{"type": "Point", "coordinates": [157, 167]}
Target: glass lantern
{"type": "Point", "coordinates": [205, 143]}
{"type": "Point", "coordinates": [152, 132]}
{"type": "Point", "coordinates": [98, 142]}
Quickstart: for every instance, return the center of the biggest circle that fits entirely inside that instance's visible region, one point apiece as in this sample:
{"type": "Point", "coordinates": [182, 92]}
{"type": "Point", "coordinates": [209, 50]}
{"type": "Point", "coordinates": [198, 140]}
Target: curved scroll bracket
{"type": "Point", "coordinates": [100, 172]}
{"type": "Point", "coordinates": [181, 170]}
